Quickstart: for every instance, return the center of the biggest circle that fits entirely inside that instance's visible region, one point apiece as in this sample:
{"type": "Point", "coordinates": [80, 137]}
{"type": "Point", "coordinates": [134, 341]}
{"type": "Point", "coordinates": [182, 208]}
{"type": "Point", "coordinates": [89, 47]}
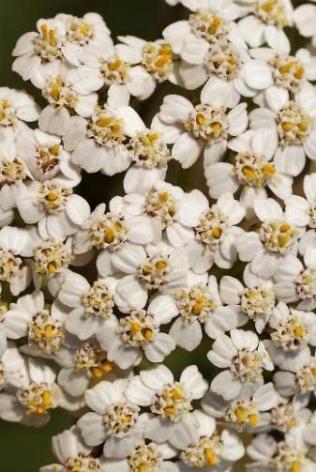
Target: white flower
{"type": "Point", "coordinates": [84, 38]}
{"type": "Point", "coordinates": [289, 454]}
{"type": "Point", "coordinates": [225, 68]}
{"type": "Point", "coordinates": [294, 121]}
{"type": "Point", "coordinates": [12, 172]}
{"type": "Point", "coordinates": [211, 20]}
{"type": "Point", "coordinates": [63, 100]}
{"type": "Point", "coordinates": [114, 420]}
{"type": "Point", "coordinates": [305, 18]}
{"type": "Point", "coordinates": [12, 365]}
{"type": "Point", "coordinates": [298, 376]}
{"type": "Point", "coordinates": [31, 402]}
{"type": "Point", "coordinates": [16, 107]}
{"type": "Point", "coordinates": [168, 400]}
{"type": "Point", "coordinates": [50, 259]}
{"type": "Point", "coordinates": [83, 365]}
{"type": "Point", "coordinates": [296, 282]}
{"type": "Point", "coordinates": [202, 446]}
{"type": "Point", "coordinates": [246, 412]}
{"type": "Point", "coordinates": [70, 450]}
{"type": "Point", "coordinates": [45, 157]}
{"type": "Point", "coordinates": [302, 211]}
{"type": "Point", "coordinates": [289, 72]}
{"type": "Point", "coordinates": [200, 304]}
{"type": "Point", "coordinates": [14, 244]}
{"type": "Point", "coordinates": [151, 62]}
{"type": "Point", "coordinates": [150, 156]}
{"type": "Point", "coordinates": [256, 300]}
{"type": "Point", "coordinates": [154, 267]}
{"type": "Point", "coordinates": [59, 212]}
{"type": "Point", "coordinates": [175, 210]}
{"type": "Point", "coordinates": [90, 305]}
{"type": "Point", "coordinates": [194, 130]}
{"type": "Point", "coordinates": [29, 317]}
{"type": "Point", "coordinates": [215, 233]}
{"type": "Point", "coordinates": [99, 143]}
{"type": "Point", "coordinates": [115, 69]}
{"type": "Point", "coordinates": [154, 457]}
{"type": "Point", "coordinates": [39, 54]}
{"type": "Point", "coordinates": [253, 170]}
{"type": "Point", "coordinates": [266, 24]}
{"type": "Point", "coordinates": [58, 42]}
{"type": "Point", "coordinates": [245, 357]}
{"type": "Point", "coordinates": [275, 239]}
{"type": "Point", "coordinates": [110, 232]}
{"type": "Point", "coordinates": [289, 416]}
{"type": "Point", "coordinates": [292, 331]}
{"type": "Point", "coordinates": [125, 339]}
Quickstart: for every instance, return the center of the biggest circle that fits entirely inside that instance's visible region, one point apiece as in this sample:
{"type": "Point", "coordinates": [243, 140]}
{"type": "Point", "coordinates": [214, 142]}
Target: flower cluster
{"type": "Point", "coordinates": [178, 327]}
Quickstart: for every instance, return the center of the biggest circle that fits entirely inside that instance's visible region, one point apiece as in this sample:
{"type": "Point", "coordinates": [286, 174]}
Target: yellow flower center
{"type": "Point", "coordinates": [208, 25]}
{"type": "Point", "coordinates": [47, 44]}
{"type": "Point", "coordinates": [12, 172]}
{"type": "Point", "coordinates": [158, 60]}
{"type": "Point", "coordinates": [37, 399]}
{"type": "Point", "coordinates": [7, 113]}
{"type": "Point", "coordinates": [278, 236]}
{"type": "Point", "coordinates": [207, 123]}
{"type": "Point", "coordinates": [294, 124]}
{"type": "Point", "coordinates": [79, 31]}
{"type": "Point", "coordinates": [138, 328]}
{"type": "Point", "coordinates": [155, 271]}
{"type": "Point", "coordinates": [273, 12]}
{"type": "Point", "coordinates": [108, 231]}
{"type": "Point", "coordinates": [105, 128]}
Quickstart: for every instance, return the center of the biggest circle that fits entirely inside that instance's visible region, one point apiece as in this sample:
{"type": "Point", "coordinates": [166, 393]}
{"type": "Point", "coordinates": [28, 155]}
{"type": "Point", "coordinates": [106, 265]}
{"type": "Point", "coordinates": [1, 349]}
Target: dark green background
{"type": "Point", "coordinates": [25, 449]}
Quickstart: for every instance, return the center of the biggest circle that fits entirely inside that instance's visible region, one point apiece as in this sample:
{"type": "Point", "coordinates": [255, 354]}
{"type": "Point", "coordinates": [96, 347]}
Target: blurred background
{"type": "Point", "coordinates": [26, 449]}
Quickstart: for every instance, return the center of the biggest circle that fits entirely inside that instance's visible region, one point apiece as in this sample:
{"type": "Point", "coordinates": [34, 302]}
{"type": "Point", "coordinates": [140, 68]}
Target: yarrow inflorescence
{"type": "Point", "coordinates": [177, 323]}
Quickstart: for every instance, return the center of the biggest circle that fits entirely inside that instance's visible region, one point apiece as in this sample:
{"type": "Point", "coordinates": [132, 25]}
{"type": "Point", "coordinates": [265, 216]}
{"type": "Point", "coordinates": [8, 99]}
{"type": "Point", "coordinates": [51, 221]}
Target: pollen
{"type": "Point", "coordinates": [108, 231]}
{"type": "Point", "coordinates": [253, 170]}
{"type": "Point", "coordinates": [47, 44]}
{"type": "Point", "coordinates": [195, 303]}
{"type": "Point", "coordinates": [105, 128]}
{"type": "Point", "coordinates": [158, 60]}
{"type": "Point", "coordinates": [207, 123]}
{"type": "Point", "coordinates": [222, 60]}
{"type": "Point", "coordinates": [154, 273]}
{"type": "Point", "coordinates": [12, 172]}
{"type": "Point", "coordinates": [138, 328]}
{"type": "Point", "coordinates": [98, 301]}
{"type": "Point", "coordinates": [7, 113]}
{"type": "Point", "coordinates": [79, 31]}
{"type": "Point", "coordinates": [9, 266]}
{"type": "Point", "coordinates": [121, 418]}
{"type": "Point", "coordinates": [272, 12]}
{"type": "Point", "coordinates": [37, 399]}
{"type": "Point", "coordinates": [51, 258]}
{"type": "Point", "coordinates": [145, 458]}
{"type": "Point", "coordinates": [162, 205]}
{"type": "Point", "coordinates": [208, 25]}
{"type": "Point", "coordinates": [171, 402]}
{"type": "Point", "coordinates": [288, 72]}
{"type": "Point", "coordinates": [114, 70]}
{"type": "Point", "coordinates": [58, 92]}
{"type": "Point", "coordinates": [293, 124]}
{"type": "Point", "coordinates": [278, 236]}
{"type": "Point", "coordinates": [211, 227]}
{"type": "Point", "coordinates": [149, 151]}
{"type": "Point", "coordinates": [46, 332]}
{"type": "Point", "coordinates": [53, 197]}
